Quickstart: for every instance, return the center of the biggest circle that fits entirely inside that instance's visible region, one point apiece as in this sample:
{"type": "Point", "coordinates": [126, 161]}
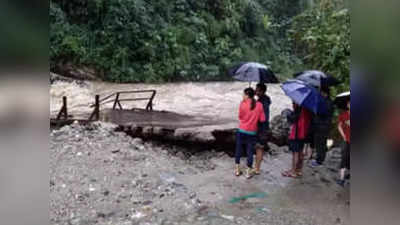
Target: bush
{"type": "Point", "coordinates": [185, 40]}
{"type": "Point", "coordinates": [321, 37]}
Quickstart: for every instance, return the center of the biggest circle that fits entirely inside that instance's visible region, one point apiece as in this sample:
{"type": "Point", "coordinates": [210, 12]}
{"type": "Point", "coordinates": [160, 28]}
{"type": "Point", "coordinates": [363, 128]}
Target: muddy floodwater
{"type": "Point", "coordinates": [99, 176]}
{"type": "Point", "coordinates": [214, 99]}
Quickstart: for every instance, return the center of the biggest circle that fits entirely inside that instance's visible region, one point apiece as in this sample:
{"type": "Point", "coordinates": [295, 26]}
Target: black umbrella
{"type": "Point", "coordinates": [316, 78]}
{"type": "Point", "coordinates": [253, 72]}
{"type": "Point", "coordinates": [342, 99]}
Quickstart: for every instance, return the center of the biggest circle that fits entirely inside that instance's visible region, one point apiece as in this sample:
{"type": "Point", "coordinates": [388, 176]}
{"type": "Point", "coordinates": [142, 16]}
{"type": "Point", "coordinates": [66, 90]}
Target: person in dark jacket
{"type": "Point", "coordinates": [263, 127]}
{"type": "Point", "coordinates": [321, 125]}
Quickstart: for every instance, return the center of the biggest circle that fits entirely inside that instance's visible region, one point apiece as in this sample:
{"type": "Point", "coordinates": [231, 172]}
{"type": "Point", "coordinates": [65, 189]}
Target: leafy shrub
{"type": "Point", "coordinates": [184, 40]}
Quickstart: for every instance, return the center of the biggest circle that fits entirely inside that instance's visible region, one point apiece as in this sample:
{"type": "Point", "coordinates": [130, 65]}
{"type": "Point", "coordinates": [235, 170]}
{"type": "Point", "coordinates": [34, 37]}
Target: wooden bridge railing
{"type": "Point", "coordinates": [95, 115]}
{"type": "Point", "coordinates": [118, 99]}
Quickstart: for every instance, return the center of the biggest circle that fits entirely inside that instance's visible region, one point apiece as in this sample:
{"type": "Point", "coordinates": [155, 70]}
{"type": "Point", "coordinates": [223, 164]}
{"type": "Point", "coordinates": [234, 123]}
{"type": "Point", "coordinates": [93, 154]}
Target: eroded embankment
{"type": "Point", "coordinates": [99, 176]}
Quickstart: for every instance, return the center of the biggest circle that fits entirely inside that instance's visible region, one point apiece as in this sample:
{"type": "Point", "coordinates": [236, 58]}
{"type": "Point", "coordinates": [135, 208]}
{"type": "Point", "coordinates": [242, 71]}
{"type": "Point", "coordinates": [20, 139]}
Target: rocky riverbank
{"type": "Point", "coordinates": [99, 176]}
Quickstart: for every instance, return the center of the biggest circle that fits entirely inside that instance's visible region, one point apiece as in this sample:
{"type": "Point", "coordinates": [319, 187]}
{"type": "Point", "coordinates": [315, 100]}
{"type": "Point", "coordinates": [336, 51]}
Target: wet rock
{"type": "Point", "coordinates": [280, 128]}
{"type": "Point", "coordinates": [192, 195]}
{"type": "Point", "coordinates": [106, 192]}
{"type": "Point", "coordinates": [181, 155]}
{"type": "Point", "coordinates": [137, 142]}
{"type": "Point", "coordinates": [146, 203]}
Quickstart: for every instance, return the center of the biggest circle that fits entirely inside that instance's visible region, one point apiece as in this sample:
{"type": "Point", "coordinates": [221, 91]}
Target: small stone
{"type": "Point", "coordinates": [181, 155]}
{"type": "Point", "coordinates": [137, 141]}
{"type": "Point", "coordinates": [101, 215]}
{"type": "Point", "coordinates": [115, 151]}
{"type": "Point", "coordinates": [231, 218]}
{"type": "Point", "coordinates": [148, 202]}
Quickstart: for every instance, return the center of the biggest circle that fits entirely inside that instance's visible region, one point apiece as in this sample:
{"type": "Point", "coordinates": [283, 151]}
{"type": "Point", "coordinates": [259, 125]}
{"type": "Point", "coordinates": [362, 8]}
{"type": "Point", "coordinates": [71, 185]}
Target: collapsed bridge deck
{"type": "Point", "coordinates": [157, 125]}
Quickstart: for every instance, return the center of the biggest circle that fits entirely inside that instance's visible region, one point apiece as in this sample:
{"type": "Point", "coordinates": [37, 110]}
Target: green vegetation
{"type": "Point", "coordinates": [191, 40]}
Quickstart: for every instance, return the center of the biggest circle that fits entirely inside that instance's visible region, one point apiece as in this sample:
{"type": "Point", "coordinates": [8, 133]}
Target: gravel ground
{"type": "Point", "coordinates": [98, 176]}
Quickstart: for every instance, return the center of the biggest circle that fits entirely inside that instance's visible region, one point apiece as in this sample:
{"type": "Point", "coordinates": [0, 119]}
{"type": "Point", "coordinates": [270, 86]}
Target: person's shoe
{"type": "Point", "coordinates": [340, 182]}
{"type": "Point", "coordinates": [256, 172]}
{"type": "Point", "coordinates": [314, 164]}
{"type": "Point", "coordinates": [249, 173]}
{"type": "Point", "coordinates": [237, 171]}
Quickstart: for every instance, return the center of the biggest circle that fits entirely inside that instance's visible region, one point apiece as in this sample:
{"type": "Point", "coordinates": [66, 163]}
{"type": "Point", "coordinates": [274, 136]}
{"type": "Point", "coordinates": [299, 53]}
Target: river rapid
{"type": "Point", "coordinates": [214, 99]}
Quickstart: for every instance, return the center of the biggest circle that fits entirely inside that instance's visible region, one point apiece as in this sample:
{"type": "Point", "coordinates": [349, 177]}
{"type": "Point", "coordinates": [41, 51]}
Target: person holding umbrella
{"type": "Point", "coordinates": [263, 127]}
{"type": "Point", "coordinates": [307, 100]}
{"type": "Point", "coordinates": [250, 113]}
{"type": "Point", "coordinates": [321, 124]}
{"type": "Point", "coordinates": [300, 119]}
{"type": "Point", "coordinates": [257, 72]}
{"type": "Point", "coordinates": [322, 121]}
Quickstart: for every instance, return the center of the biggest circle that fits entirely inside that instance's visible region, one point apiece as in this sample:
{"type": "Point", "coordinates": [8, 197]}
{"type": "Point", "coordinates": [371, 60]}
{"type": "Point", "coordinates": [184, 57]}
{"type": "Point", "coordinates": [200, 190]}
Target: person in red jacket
{"type": "Point", "coordinates": [301, 120]}
{"type": "Point", "coordinates": [344, 130]}
{"type": "Point", "coordinates": [250, 113]}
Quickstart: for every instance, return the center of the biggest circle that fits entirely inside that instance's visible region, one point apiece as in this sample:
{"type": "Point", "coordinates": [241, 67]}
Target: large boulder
{"type": "Point", "coordinates": [280, 128]}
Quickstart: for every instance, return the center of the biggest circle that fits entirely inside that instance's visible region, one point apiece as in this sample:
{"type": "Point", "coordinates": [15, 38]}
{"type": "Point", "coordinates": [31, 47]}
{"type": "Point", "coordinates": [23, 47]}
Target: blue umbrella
{"type": "Point", "coordinates": [305, 95]}
{"type": "Point", "coordinates": [253, 72]}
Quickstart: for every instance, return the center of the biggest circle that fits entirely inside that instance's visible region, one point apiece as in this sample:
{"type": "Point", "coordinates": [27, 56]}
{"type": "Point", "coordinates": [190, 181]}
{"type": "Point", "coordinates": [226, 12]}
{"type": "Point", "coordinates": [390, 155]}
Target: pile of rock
{"type": "Point", "coordinates": [98, 175]}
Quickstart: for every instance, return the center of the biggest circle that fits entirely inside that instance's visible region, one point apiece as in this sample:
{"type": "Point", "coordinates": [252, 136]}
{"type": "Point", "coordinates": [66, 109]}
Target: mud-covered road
{"type": "Point", "coordinates": [98, 176]}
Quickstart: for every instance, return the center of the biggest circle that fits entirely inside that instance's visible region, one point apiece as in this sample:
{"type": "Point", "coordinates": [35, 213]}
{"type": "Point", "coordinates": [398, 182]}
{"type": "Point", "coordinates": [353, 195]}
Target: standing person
{"type": "Point", "coordinates": [321, 127]}
{"type": "Point", "coordinates": [300, 119]}
{"type": "Point", "coordinates": [250, 113]}
{"type": "Point", "coordinates": [344, 130]}
{"type": "Point", "coordinates": [263, 127]}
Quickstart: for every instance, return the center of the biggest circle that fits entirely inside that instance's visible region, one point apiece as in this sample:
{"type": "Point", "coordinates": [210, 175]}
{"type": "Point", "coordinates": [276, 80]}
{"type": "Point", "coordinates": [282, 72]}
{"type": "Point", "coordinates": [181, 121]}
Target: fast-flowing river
{"type": "Point", "coordinates": [214, 99]}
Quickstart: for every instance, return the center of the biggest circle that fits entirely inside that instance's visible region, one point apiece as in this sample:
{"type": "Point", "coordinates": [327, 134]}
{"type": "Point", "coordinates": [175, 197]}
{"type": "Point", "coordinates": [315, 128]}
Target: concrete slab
{"type": "Point", "coordinates": [164, 119]}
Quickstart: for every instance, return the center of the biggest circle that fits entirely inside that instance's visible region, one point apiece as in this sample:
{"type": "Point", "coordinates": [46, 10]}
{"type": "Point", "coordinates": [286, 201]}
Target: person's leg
{"type": "Point", "coordinates": [309, 151]}
{"type": "Point", "coordinates": [299, 168]}
{"type": "Point", "coordinates": [324, 146]}
{"type": "Point", "coordinates": [259, 158]}
{"type": "Point", "coordinates": [342, 173]}
{"type": "Point", "coordinates": [296, 152]}
{"type": "Point", "coordinates": [320, 139]}
{"type": "Point", "coordinates": [295, 162]}
{"type": "Point", "coordinates": [345, 163]}
{"type": "Point", "coordinates": [250, 144]}
{"type": "Point", "coordinates": [238, 152]}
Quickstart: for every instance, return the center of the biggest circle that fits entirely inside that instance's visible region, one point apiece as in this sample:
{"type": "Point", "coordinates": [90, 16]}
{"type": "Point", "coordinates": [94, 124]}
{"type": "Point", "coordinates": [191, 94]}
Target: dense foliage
{"type": "Point", "coordinates": [321, 38]}
{"type": "Point", "coordinates": [172, 40]}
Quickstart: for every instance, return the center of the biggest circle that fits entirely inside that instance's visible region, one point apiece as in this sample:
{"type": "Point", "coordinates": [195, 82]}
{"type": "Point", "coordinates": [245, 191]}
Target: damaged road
{"type": "Point", "coordinates": [99, 176]}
